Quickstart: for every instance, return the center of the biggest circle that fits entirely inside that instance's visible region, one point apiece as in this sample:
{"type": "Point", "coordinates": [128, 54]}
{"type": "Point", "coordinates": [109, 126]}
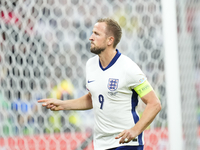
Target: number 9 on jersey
{"type": "Point", "coordinates": [101, 100]}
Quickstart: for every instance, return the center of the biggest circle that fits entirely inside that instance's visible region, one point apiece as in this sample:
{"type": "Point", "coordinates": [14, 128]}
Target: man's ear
{"type": "Point", "coordinates": [111, 40]}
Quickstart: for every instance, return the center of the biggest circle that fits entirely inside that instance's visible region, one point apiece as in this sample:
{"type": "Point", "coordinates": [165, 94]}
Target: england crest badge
{"type": "Point", "coordinates": [113, 84]}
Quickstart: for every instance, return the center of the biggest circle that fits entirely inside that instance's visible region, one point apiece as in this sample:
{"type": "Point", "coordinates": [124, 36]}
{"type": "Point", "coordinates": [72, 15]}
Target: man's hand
{"type": "Point", "coordinates": [53, 104]}
{"type": "Point", "coordinates": [126, 136]}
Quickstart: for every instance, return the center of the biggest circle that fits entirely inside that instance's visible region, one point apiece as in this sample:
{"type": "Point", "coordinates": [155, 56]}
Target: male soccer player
{"type": "Point", "coordinates": [114, 83]}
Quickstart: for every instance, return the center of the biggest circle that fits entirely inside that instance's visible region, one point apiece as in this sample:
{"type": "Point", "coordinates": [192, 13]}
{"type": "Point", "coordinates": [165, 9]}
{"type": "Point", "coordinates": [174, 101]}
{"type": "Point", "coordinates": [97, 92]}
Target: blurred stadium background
{"type": "Point", "coordinates": [44, 45]}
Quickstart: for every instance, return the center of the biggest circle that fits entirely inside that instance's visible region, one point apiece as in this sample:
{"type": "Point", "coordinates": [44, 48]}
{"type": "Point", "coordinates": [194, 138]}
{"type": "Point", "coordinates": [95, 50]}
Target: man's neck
{"type": "Point", "coordinates": [106, 56]}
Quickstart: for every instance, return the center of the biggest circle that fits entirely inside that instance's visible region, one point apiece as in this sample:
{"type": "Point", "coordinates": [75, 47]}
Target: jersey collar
{"type": "Point", "coordinates": [112, 61]}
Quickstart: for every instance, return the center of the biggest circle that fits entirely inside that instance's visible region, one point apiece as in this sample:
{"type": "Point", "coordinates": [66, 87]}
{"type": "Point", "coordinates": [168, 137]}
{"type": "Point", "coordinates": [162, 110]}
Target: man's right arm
{"type": "Point", "coordinates": [82, 103]}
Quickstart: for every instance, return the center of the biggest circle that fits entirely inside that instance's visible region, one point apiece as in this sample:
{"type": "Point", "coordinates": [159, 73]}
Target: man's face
{"type": "Point", "coordinates": [98, 38]}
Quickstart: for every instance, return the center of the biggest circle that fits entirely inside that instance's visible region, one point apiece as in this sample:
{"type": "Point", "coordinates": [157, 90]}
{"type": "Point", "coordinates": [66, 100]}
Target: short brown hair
{"type": "Point", "coordinates": [113, 28]}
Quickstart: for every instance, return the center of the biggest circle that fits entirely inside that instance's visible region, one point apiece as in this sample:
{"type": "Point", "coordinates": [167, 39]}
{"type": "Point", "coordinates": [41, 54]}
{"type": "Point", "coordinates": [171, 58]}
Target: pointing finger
{"type": "Point", "coordinates": [42, 100]}
{"type": "Point", "coordinates": [120, 135]}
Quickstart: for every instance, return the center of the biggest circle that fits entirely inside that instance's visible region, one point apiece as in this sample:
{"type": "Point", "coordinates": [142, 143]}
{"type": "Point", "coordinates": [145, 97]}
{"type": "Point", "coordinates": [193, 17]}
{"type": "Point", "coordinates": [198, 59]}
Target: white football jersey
{"type": "Point", "coordinates": [114, 99]}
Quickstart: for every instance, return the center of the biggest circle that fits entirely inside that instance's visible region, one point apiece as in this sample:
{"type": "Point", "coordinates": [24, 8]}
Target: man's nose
{"type": "Point", "coordinates": [91, 38]}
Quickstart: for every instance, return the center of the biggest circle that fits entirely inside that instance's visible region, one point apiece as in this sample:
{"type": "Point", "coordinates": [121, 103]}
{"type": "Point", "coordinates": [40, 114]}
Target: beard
{"type": "Point", "coordinates": [97, 50]}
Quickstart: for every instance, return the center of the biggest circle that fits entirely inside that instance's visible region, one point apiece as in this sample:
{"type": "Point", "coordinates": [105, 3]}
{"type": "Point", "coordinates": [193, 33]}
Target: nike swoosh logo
{"type": "Point", "coordinates": [90, 81]}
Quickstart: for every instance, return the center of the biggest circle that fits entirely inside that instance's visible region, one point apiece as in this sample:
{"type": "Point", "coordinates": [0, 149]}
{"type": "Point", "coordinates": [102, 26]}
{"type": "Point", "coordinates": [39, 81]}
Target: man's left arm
{"type": "Point", "coordinates": [153, 106]}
